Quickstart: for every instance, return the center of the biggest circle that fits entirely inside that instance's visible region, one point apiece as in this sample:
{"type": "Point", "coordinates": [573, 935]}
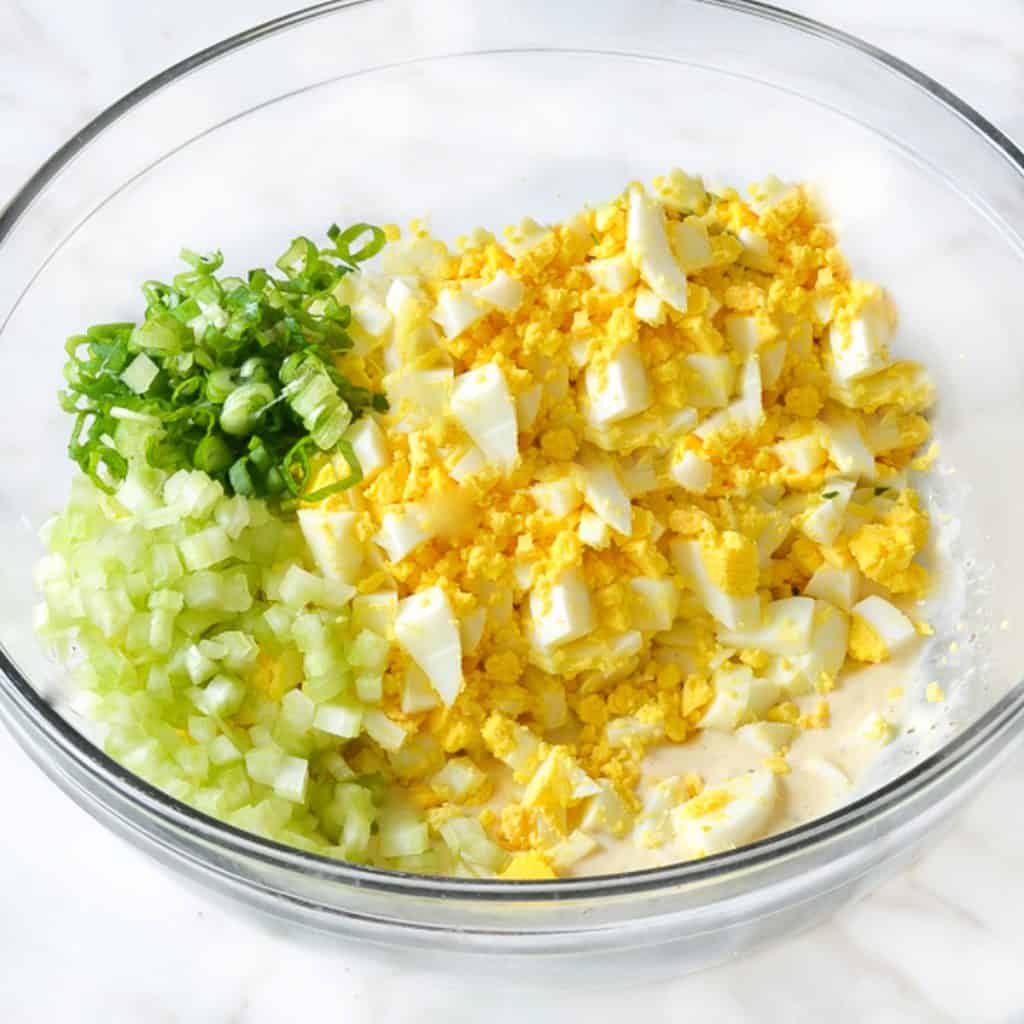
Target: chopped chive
{"type": "Point", "coordinates": [830, 494]}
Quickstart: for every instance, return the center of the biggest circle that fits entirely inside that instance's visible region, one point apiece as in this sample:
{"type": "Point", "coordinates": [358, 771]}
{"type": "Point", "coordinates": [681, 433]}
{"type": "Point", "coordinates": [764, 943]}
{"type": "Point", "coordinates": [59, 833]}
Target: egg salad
{"type": "Point", "coordinates": [571, 504]}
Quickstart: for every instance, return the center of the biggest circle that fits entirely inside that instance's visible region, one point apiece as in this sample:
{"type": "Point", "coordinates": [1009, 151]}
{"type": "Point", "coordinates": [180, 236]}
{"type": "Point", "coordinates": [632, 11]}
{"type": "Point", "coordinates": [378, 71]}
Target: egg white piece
{"type": "Point", "coordinates": [473, 461]}
{"type": "Point", "coordinates": [369, 444]}
{"type": "Point", "coordinates": [846, 446]}
{"type": "Point", "coordinates": [773, 362]}
{"type": "Point", "coordinates": [691, 245]}
{"type": "Point", "coordinates": [837, 586]}
{"type": "Point", "coordinates": [653, 825]}
{"type": "Point", "coordinates": [655, 605]}
{"type": "Point", "coordinates": [745, 413]}
{"type": "Point", "coordinates": [417, 693]}
{"type": "Point", "coordinates": [648, 307]}
{"type": "Point", "coordinates": [594, 531]}
{"type": "Point", "coordinates": [692, 473]}
{"type": "Point", "coordinates": [403, 299]}
{"type": "Point", "coordinates": [824, 521]}
{"type": "Point", "coordinates": [801, 455]}
{"type": "Point", "coordinates": [742, 333]}
{"type": "Point", "coordinates": [748, 803]}
{"type": "Point", "coordinates": [861, 350]}
{"type": "Point", "coordinates": [614, 274]}
{"type": "Point", "coordinates": [401, 532]}
{"type": "Point", "coordinates": [332, 542]}
{"type": "Point", "coordinates": [471, 629]}
{"type": "Point", "coordinates": [770, 192]}
{"type": "Point", "coordinates": [483, 406]}
{"type": "Point", "coordinates": [893, 628]}
{"type": "Point", "coordinates": [375, 612]}
{"type": "Point", "coordinates": [503, 291]}
{"type": "Point", "coordinates": [799, 674]}
{"type": "Point", "coordinates": [428, 631]}
{"type": "Point", "coordinates": [757, 251]}
{"type": "Point", "coordinates": [739, 695]}
{"type": "Point", "coordinates": [618, 389]}
{"type": "Point", "coordinates": [561, 612]}
{"type": "Point", "coordinates": [606, 812]}
{"type": "Point", "coordinates": [712, 379]}
{"type": "Point", "coordinates": [426, 392]}
{"type": "Point", "coordinates": [648, 247]}
{"type": "Point", "coordinates": [455, 312]}
{"type": "Point", "coordinates": [785, 628]}
{"type": "Point", "coordinates": [731, 611]}
{"type": "Point", "coordinates": [767, 737]}
{"type": "Point", "coordinates": [372, 315]}
{"type": "Point", "coordinates": [526, 235]}
{"type": "Point", "coordinates": [528, 406]}
{"type": "Point", "coordinates": [605, 494]}
{"type": "Point", "coordinates": [559, 497]}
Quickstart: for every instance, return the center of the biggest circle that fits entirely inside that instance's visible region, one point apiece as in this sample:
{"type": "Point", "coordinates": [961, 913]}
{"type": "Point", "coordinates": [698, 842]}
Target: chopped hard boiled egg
{"type": "Point", "coordinates": [483, 406]}
{"type": "Point", "coordinates": [426, 627]}
{"type": "Point", "coordinates": [726, 816]}
{"type": "Point", "coordinates": [641, 479]}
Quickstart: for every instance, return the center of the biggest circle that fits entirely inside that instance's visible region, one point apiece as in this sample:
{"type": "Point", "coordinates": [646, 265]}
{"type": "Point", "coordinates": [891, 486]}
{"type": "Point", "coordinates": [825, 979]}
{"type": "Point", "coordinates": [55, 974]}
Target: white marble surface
{"type": "Point", "coordinates": [92, 931]}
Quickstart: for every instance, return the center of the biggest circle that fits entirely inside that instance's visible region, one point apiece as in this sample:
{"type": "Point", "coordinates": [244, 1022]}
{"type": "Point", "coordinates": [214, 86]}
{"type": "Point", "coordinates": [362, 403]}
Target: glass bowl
{"type": "Point", "coordinates": [479, 113]}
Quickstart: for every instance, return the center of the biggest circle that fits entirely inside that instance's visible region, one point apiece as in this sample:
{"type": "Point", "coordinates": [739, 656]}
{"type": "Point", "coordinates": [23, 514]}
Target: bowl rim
{"type": "Point", "coordinates": [40, 716]}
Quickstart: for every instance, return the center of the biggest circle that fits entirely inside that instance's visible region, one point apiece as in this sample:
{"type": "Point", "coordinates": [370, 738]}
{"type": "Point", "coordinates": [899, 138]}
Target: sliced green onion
{"type": "Point", "coordinates": [216, 359]}
{"type": "Point", "coordinates": [343, 241]}
{"type": "Point", "coordinates": [243, 406]}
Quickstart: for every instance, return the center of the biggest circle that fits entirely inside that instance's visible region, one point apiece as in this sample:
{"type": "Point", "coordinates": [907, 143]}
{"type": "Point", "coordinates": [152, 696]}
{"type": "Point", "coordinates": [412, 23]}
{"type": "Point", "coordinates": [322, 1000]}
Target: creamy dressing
{"type": "Point", "coordinates": [802, 795]}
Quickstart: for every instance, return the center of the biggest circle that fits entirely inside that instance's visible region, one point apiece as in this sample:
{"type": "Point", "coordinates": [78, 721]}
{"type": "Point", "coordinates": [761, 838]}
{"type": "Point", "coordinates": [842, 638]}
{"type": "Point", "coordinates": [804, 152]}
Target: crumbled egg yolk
{"type": "Point", "coordinates": [616, 447]}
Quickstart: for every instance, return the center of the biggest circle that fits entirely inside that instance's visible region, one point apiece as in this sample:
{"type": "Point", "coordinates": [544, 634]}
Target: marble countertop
{"type": "Point", "coordinates": [90, 930]}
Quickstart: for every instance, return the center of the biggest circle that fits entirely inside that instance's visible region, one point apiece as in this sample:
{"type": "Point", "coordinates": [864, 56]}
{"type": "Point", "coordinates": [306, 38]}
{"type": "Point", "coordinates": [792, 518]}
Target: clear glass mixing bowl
{"type": "Point", "coordinates": [479, 112]}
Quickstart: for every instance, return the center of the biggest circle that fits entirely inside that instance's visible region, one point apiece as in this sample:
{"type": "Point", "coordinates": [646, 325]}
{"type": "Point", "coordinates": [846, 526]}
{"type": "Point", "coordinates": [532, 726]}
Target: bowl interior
{"type": "Point", "coordinates": [242, 158]}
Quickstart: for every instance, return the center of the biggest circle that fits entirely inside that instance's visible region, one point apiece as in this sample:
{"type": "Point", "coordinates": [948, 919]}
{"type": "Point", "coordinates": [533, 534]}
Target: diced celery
{"type": "Point", "coordinates": [193, 491]}
{"type": "Point", "coordinates": [194, 762]}
{"type": "Point", "coordinates": [369, 687]}
{"type": "Point", "coordinates": [110, 611]}
{"type": "Point", "coordinates": [164, 565]}
{"type": "Point", "coordinates": [169, 600]}
{"type": "Point", "coordinates": [136, 637]}
{"type": "Point", "coordinates": [402, 834]}
{"type": "Point", "coordinates": [233, 515]}
{"type": "Point", "coordinates": [467, 839]}
{"type": "Point", "coordinates": [140, 373]}
{"type": "Point", "coordinates": [298, 710]}
{"type": "Point", "coordinates": [333, 763]}
{"type": "Point", "coordinates": [161, 630]}
{"type": "Point", "coordinates": [390, 735]}
{"type": "Point", "coordinates": [222, 751]}
{"type": "Point", "coordinates": [263, 763]}
{"type": "Point", "coordinates": [221, 696]}
{"type": "Point", "coordinates": [292, 779]}
{"type": "Point", "coordinates": [299, 588]}
{"type": "Point", "coordinates": [320, 689]}
{"type": "Point", "coordinates": [203, 590]}
{"type": "Point", "coordinates": [198, 666]}
{"type": "Point", "coordinates": [206, 548]}
{"type": "Point", "coordinates": [357, 812]}
{"type": "Point", "coordinates": [279, 620]}
{"type": "Point", "coordinates": [158, 682]}
{"type": "Point", "coordinates": [369, 651]}
{"type": "Point", "coordinates": [201, 728]}
{"type": "Point", "coordinates": [344, 720]}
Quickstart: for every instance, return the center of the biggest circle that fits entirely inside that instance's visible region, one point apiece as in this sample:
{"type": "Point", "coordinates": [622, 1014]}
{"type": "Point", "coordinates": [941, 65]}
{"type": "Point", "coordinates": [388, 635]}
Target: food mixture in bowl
{"type": "Point", "coordinates": [573, 550]}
